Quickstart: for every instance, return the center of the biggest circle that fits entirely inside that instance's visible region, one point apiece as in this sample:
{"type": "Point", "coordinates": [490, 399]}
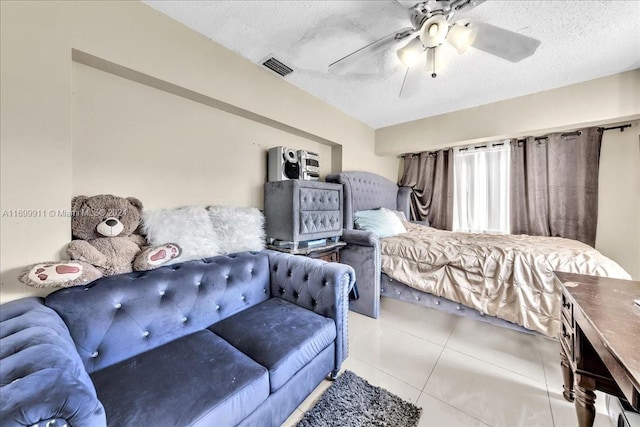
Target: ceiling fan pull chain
{"type": "Point", "coordinates": [433, 63]}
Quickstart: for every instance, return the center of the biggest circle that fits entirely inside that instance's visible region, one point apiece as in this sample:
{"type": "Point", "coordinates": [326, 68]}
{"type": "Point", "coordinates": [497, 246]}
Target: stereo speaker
{"type": "Point", "coordinates": [309, 165]}
{"type": "Point", "coordinates": [283, 164]}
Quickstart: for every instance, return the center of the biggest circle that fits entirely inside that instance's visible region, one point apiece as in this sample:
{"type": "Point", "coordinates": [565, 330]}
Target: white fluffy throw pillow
{"type": "Point", "coordinates": [383, 222]}
{"type": "Point", "coordinates": [237, 229]}
{"type": "Point", "coordinates": [189, 227]}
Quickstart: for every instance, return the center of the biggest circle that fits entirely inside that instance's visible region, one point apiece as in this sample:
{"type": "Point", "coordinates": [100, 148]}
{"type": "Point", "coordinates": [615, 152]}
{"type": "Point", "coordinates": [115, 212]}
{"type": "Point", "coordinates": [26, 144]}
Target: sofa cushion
{"type": "Point", "coordinates": [199, 379]}
{"type": "Point", "coordinates": [279, 335]}
{"type": "Point", "coordinates": [118, 317]}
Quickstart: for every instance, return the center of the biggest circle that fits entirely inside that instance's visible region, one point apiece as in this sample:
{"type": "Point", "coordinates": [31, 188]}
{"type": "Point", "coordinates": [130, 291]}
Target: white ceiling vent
{"type": "Point", "coordinates": [277, 66]}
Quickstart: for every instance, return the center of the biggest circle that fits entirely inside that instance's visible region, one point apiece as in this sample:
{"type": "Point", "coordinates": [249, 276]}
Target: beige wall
{"type": "Point", "coordinates": [131, 139]}
{"type": "Point", "coordinates": [619, 198]}
{"type": "Point", "coordinates": [158, 127]}
{"type": "Point", "coordinates": [595, 102]}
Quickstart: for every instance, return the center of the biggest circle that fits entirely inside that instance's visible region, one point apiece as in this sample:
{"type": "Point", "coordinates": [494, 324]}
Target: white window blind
{"type": "Point", "coordinates": [481, 189]}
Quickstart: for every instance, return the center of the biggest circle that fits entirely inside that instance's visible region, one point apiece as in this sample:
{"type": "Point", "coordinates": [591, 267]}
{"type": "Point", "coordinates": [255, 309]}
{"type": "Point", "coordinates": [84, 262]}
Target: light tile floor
{"type": "Point", "coordinates": [459, 371]}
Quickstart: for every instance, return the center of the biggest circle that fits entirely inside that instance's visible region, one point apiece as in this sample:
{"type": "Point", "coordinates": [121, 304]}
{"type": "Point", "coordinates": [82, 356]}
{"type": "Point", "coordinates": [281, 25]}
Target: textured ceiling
{"type": "Point", "coordinates": [581, 40]}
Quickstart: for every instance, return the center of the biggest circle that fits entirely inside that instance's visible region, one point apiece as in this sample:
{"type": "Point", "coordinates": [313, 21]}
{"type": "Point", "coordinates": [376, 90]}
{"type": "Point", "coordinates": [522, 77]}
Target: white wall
{"type": "Point", "coordinates": [148, 108]}
{"type": "Point", "coordinates": [618, 232]}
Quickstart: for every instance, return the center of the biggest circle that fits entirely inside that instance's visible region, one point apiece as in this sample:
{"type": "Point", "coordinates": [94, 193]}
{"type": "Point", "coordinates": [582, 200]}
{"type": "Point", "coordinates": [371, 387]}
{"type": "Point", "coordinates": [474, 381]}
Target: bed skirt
{"type": "Point", "coordinates": [391, 288]}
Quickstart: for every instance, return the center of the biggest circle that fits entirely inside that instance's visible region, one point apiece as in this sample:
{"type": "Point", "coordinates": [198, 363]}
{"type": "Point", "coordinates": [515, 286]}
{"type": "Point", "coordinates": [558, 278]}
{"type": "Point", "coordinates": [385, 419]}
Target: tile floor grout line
{"type": "Point", "coordinates": [454, 407]}
{"type": "Point", "coordinates": [431, 373]}
{"type": "Point", "coordinates": [388, 373]}
{"type": "Point", "coordinates": [423, 339]}
{"type": "Point", "coordinates": [544, 371]}
{"type": "Point", "coordinates": [481, 360]}
{"type": "Point", "coordinates": [413, 335]}
{"type": "Point", "coordinates": [419, 338]}
{"type": "Point", "coordinates": [432, 369]}
{"type": "Point", "coordinates": [500, 366]}
{"type": "Point", "coordinates": [425, 390]}
{"type": "Point", "coordinates": [546, 381]}
{"type": "Point", "coordinates": [439, 356]}
{"type": "Point", "coordinates": [451, 333]}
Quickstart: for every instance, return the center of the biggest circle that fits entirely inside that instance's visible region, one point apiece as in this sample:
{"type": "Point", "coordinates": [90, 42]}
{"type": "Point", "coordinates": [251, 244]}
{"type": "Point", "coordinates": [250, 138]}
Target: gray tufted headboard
{"type": "Point", "coordinates": [366, 190]}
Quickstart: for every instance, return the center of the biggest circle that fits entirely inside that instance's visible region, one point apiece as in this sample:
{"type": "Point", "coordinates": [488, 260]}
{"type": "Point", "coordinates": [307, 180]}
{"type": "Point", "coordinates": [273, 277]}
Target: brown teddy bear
{"type": "Point", "coordinates": [103, 227]}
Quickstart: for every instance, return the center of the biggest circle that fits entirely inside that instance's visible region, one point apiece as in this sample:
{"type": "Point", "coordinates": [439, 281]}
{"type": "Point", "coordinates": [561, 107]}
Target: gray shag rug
{"type": "Point", "coordinates": [353, 402]}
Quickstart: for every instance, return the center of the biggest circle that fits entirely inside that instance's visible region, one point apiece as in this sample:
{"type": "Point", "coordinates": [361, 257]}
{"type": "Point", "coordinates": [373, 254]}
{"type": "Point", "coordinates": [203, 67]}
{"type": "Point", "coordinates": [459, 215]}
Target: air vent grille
{"type": "Point", "coordinates": [277, 66]}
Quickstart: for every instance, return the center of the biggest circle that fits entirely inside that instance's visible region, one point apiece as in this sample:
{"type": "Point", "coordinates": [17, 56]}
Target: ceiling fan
{"type": "Point", "coordinates": [431, 26]}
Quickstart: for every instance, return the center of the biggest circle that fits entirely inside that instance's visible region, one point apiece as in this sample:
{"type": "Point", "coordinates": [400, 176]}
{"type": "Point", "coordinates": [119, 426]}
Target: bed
{"type": "Point", "coordinates": [502, 279]}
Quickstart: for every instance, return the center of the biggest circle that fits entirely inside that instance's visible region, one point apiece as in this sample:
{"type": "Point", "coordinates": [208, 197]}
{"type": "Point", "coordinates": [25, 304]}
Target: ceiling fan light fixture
{"type": "Point", "coordinates": [411, 53]}
{"type": "Point", "coordinates": [434, 31]}
{"type": "Point", "coordinates": [461, 36]}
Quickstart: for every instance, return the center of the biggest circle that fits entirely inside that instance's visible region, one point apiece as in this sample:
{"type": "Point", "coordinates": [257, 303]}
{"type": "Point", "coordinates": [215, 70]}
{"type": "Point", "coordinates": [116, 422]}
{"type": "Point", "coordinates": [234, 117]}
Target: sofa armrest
{"type": "Point", "coordinates": [360, 237]}
{"type": "Point", "coordinates": [363, 254]}
{"type": "Point", "coordinates": [317, 286]}
{"type": "Point", "coordinates": [42, 378]}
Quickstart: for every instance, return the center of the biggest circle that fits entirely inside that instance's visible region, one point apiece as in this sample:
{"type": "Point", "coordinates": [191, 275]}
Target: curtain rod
{"type": "Point", "coordinates": [575, 133]}
{"type": "Point", "coordinates": [477, 147]}
{"type": "Point", "coordinates": [538, 138]}
{"type": "Point", "coordinates": [621, 127]}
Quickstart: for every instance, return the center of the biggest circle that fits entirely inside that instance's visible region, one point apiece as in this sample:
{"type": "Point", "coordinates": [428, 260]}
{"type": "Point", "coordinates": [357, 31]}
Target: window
{"type": "Point", "coordinates": [481, 189]}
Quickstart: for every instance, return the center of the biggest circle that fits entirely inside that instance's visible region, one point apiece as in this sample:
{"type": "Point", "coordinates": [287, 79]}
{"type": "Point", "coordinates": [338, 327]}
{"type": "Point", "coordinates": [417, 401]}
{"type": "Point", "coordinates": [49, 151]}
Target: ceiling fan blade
{"type": "Point", "coordinates": [411, 83]}
{"type": "Point", "coordinates": [343, 64]}
{"type": "Point", "coordinates": [408, 4]}
{"type": "Point", "coordinates": [465, 5]}
{"type": "Point", "coordinates": [454, 5]}
{"type": "Point", "coordinates": [503, 43]}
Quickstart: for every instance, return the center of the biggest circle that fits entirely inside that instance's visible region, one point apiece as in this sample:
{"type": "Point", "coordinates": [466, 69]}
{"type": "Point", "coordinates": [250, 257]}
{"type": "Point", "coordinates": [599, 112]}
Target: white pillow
{"type": "Point", "coordinates": [189, 227]}
{"type": "Point", "coordinates": [380, 221]}
{"type": "Point", "coordinates": [401, 216]}
{"type": "Point", "coordinates": [237, 229]}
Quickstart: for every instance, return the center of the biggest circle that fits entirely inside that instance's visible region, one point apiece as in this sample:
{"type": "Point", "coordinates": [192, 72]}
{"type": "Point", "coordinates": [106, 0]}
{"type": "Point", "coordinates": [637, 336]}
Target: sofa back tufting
{"type": "Point", "coordinates": [117, 317]}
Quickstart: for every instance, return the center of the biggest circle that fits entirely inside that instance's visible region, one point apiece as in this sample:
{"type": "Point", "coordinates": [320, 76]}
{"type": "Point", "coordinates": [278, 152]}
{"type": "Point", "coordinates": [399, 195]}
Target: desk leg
{"type": "Point", "coordinates": [585, 401]}
{"type": "Point", "coordinates": [567, 376]}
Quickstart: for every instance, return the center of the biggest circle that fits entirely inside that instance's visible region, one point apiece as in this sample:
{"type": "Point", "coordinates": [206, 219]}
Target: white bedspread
{"type": "Point", "coordinates": [508, 276]}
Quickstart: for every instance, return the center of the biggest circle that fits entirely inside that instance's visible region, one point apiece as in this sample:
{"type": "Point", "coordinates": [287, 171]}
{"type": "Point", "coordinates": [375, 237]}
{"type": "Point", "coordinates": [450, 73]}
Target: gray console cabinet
{"type": "Point", "coordinates": [297, 210]}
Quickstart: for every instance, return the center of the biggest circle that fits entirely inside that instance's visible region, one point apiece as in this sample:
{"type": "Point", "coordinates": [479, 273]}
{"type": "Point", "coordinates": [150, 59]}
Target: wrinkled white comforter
{"type": "Point", "coordinates": [508, 276]}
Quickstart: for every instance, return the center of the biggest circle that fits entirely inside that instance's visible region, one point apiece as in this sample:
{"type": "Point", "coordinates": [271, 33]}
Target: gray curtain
{"type": "Point", "coordinates": [430, 175]}
{"type": "Point", "coordinates": [554, 185]}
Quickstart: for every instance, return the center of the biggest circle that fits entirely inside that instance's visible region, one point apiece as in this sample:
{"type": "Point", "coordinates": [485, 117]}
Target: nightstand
{"type": "Point", "coordinates": [297, 211]}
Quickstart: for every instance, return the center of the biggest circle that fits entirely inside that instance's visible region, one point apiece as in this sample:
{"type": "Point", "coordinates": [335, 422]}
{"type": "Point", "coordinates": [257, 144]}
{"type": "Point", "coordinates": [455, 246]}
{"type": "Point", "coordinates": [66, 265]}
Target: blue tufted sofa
{"type": "Point", "coordinates": [231, 340]}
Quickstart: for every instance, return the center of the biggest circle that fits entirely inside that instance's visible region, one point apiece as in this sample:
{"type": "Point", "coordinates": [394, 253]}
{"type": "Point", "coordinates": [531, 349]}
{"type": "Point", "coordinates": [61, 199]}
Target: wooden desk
{"type": "Point", "coordinates": [600, 341]}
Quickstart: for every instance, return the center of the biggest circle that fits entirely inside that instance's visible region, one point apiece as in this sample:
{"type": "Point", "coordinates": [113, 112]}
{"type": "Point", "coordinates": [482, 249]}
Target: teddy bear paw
{"type": "Point", "coordinates": [163, 254]}
{"type": "Point", "coordinates": [46, 274]}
